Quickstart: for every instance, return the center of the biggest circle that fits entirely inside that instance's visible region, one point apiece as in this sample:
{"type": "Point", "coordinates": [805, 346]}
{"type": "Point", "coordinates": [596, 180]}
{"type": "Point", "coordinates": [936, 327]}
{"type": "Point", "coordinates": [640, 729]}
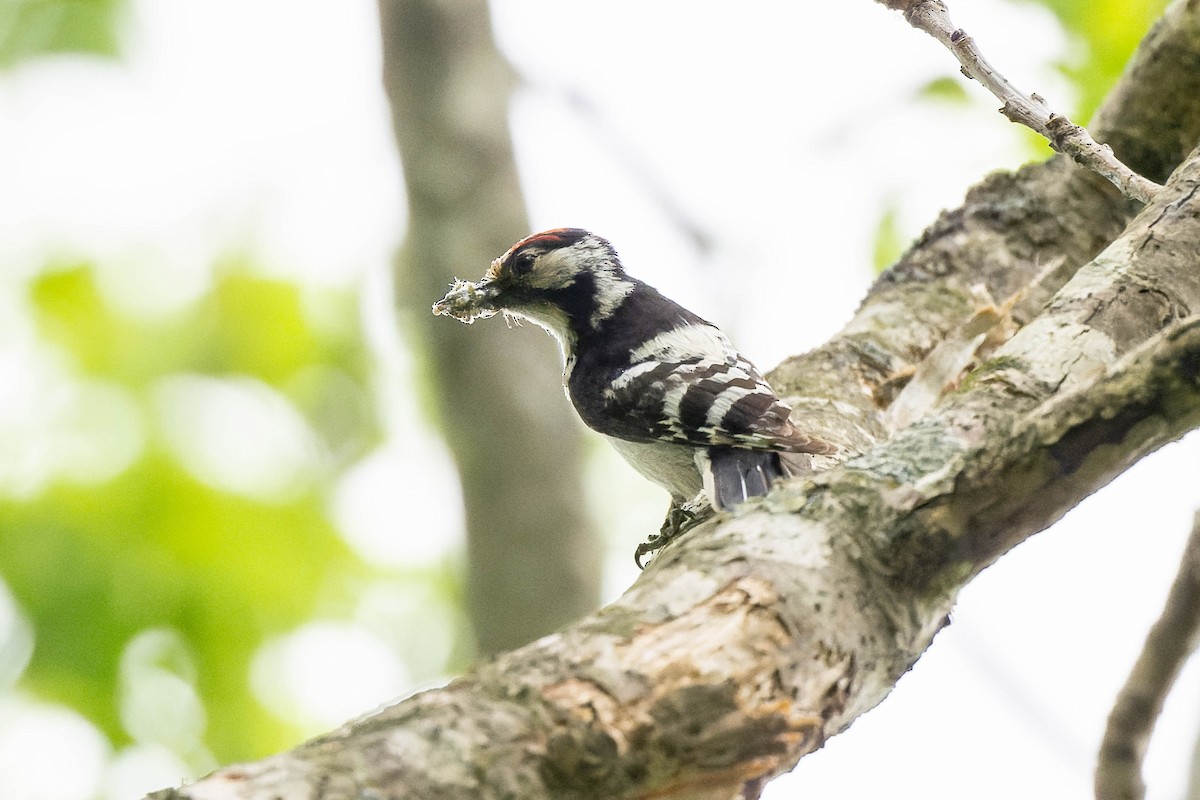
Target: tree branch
{"type": "Point", "coordinates": [1032, 111]}
{"type": "Point", "coordinates": [757, 635]}
{"type": "Point", "coordinates": [1168, 645]}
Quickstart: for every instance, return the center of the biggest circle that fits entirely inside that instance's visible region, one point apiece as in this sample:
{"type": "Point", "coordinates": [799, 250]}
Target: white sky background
{"type": "Point", "coordinates": [260, 125]}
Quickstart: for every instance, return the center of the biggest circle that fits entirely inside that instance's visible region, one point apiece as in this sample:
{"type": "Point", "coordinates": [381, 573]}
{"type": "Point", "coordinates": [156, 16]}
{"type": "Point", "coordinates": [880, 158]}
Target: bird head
{"type": "Point", "coordinates": [566, 280]}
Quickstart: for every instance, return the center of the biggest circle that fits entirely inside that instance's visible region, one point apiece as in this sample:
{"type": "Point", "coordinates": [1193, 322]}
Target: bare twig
{"type": "Point", "coordinates": [1169, 643]}
{"type": "Point", "coordinates": [1032, 111]}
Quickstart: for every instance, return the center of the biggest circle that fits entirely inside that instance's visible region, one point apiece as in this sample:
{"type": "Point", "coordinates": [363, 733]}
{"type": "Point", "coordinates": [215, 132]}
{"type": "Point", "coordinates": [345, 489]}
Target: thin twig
{"type": "Point", "coordinates": [1032, 111]}
{"type": "Point", "coordinates": [1169, 643]}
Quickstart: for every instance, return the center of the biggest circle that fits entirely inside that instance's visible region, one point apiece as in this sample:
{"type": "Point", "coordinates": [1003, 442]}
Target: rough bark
{"type": "Point", "coordinates": [758, 635]}
{"type": "Point", "coordinates": [496, 392]}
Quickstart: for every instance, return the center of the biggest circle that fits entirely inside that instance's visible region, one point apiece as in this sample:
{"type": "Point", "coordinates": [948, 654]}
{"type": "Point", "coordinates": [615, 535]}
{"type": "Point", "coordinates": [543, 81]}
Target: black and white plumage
{"type": "Point", "coordinates": [666, 387]}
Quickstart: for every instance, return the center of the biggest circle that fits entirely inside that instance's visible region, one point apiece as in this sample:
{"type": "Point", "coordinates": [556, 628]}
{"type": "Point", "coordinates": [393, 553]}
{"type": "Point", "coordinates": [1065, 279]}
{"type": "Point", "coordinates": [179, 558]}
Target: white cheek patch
{"type": "Point", "coordinates": [553, 271]}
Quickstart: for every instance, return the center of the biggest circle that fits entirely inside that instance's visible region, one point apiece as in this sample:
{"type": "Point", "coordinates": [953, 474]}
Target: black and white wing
{"type": "Point", "coordinates": [690, 386]}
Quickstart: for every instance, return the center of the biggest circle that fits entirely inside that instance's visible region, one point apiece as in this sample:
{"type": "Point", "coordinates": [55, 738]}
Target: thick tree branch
{"type": "Point", "coordinates": [756, 636]}
{"type": "Point", "coordinates": [1168, 645]}
{"type": "Point", "coordinates": [1032, 111]}
{"type": "Point", "coordinates": [1144, 281]}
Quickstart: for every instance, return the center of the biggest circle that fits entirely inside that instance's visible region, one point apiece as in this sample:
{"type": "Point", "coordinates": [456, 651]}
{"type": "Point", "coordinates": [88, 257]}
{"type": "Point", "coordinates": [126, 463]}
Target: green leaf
{"type": "Point", "coordinates": [1109, 30]}
{"type": "Point", "coordinates": [31, 28]}
{"type": "Point", "coordinates": [889, 240]}
{"type": "Point", "coordinates": [946, 89]}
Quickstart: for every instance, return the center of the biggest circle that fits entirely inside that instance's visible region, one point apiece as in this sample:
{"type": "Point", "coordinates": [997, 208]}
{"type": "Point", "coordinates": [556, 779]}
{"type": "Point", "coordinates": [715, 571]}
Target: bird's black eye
{"type": "Point", "coordinates": [523, 263]}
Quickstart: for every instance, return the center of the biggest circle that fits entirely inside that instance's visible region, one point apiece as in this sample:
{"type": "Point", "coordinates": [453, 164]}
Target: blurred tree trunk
{"type": "Point", "coordinates": [497, 392]}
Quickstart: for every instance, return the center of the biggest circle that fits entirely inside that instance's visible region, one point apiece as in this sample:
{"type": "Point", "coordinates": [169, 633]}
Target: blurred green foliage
{"type": "Point", "coordinates": [153, 548]}
{"type": "Point", "coordinates": [946, 89]}
{"type": "Point", "coordinates": [149, 591]}
{"type": "Point", "coordinates": [1106, 33]}
{"type": "Point", "coordinates": [30, 28]}
{"type": "Point", "coordinates": [889, 241]}
{"type": "Point", "coordinates": [1109, 30]}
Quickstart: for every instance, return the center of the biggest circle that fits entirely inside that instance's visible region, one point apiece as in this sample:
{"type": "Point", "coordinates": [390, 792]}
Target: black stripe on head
{"type": "Point", "coordinates": [578, 300]}
{"type": "Point", "coordinates": [536, 243]}
{"type": "Point", "coordinates": [556, 238]}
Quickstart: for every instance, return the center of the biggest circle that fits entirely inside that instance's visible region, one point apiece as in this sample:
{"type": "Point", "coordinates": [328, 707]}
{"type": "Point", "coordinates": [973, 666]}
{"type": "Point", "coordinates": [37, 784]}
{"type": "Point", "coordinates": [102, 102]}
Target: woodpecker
{"type": "Point", "coordinates": [664, 386]}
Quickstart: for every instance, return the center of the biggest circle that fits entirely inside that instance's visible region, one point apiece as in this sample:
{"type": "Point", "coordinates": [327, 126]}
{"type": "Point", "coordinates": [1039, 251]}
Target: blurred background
{"type": "Point", "coordinates": [250, 488]}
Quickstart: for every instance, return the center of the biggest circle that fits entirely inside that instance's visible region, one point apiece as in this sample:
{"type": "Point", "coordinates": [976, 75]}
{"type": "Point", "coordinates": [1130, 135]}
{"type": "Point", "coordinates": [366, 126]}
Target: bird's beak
{"type": "Point", "coordinates": [468, 301]}
{"type": "Point", "coordinates": [490, 288]}
{"type": "Point", "coordinates": [487, 293]}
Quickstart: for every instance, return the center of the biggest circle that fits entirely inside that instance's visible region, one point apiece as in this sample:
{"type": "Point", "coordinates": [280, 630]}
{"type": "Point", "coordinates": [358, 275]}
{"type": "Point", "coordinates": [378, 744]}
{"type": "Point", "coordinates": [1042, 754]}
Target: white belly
{"type": "Point", "coordinates": [671, 466]}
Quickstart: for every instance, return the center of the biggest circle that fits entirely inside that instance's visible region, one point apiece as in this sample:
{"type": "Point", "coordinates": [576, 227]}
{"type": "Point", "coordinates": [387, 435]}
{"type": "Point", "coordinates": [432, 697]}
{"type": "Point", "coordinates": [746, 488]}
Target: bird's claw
{"type": "Point", "coordinates": [680, 518]}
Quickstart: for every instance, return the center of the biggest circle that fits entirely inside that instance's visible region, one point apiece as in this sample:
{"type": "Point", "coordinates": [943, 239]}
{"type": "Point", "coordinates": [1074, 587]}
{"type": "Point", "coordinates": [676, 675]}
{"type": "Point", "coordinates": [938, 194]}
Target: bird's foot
{"type": "Point", "coordinates": [680, 518]}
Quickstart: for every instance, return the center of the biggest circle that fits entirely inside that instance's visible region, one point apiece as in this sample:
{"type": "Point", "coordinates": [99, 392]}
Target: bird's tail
{"type": "Point", "coordinates": [733, 475]}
